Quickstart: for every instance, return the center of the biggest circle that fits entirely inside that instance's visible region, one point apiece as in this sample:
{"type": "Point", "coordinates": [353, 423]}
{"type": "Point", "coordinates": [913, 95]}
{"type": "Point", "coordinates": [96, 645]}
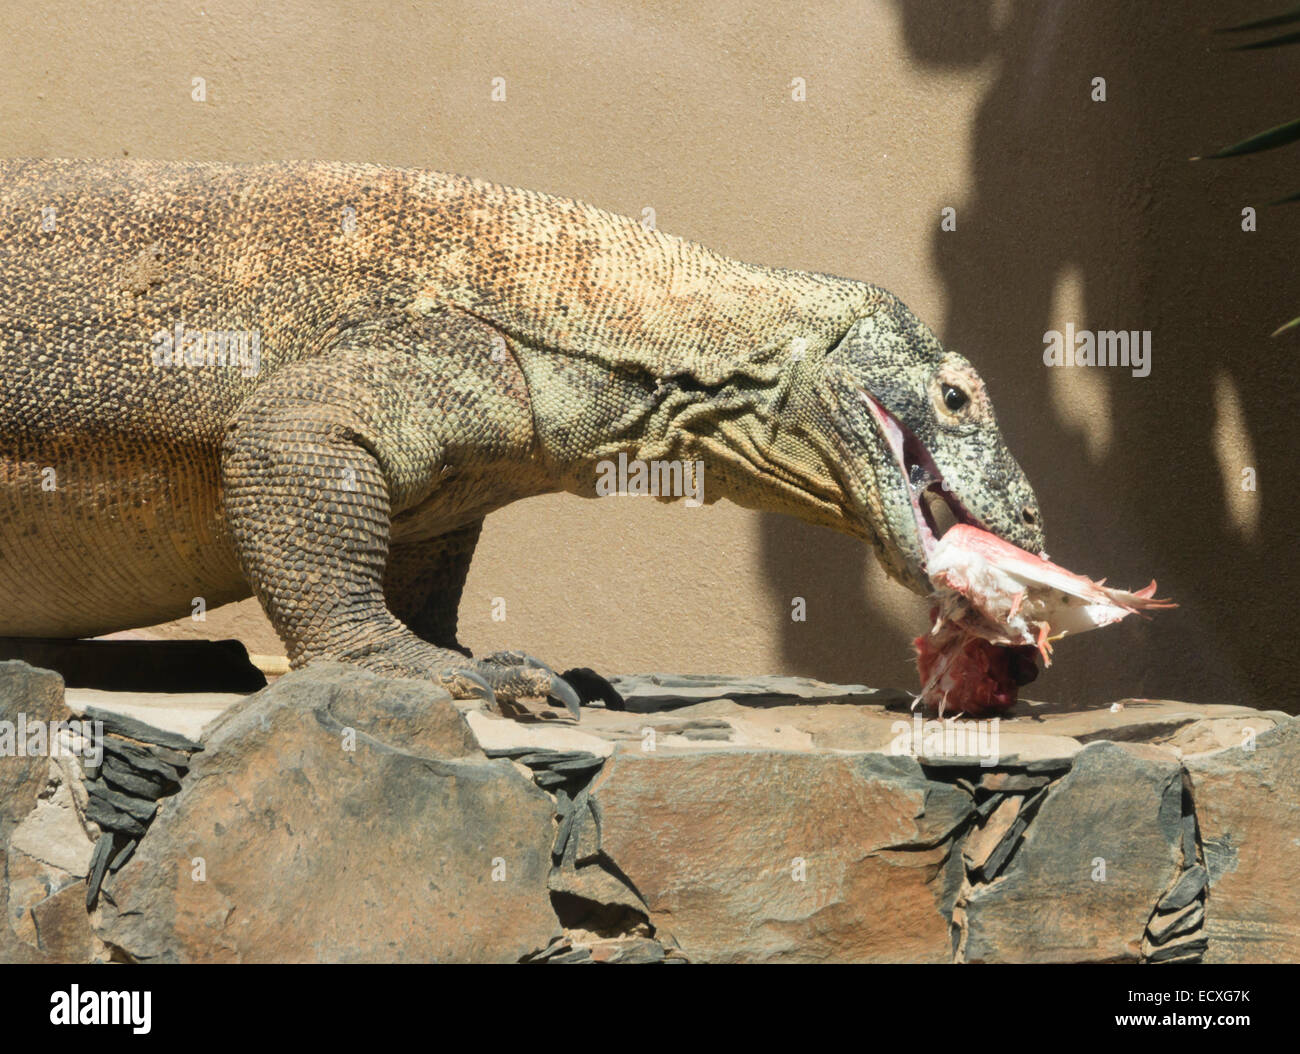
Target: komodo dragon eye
{"type": "Point", "coordinates": [954, 398]}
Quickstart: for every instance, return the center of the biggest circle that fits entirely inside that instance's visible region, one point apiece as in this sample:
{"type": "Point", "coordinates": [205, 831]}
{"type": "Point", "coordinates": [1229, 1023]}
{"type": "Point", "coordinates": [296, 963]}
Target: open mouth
{"type": "Point", "coordinates": [934, 506]}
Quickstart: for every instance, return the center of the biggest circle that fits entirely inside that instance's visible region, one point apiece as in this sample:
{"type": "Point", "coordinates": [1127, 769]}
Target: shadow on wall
{"type": "Point", "coordinates": [1089, 212]}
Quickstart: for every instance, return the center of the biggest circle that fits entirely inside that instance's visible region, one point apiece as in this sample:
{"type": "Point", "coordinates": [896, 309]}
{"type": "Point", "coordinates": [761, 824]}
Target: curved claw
{"type": "Point", "coordinates": [562, 692]}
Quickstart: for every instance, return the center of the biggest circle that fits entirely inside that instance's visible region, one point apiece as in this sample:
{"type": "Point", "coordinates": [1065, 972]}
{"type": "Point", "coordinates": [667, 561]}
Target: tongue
{"type": "Point", "coordinates": [997, 608]}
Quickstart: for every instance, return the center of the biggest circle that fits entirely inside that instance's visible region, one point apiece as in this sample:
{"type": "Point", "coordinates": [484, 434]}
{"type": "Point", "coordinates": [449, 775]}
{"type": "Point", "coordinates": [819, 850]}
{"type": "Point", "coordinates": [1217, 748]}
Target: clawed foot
{"type": "Point", "coordinates": [512, 674]}
{"type": "Point", "coordinates": [503, 676]}
{"type": "Point", "coordinates": [521, 674]}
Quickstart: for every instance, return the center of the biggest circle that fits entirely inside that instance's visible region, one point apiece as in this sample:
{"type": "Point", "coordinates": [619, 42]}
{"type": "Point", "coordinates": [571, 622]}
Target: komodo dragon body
{"type": "Point", "coordinates": [311, 382]}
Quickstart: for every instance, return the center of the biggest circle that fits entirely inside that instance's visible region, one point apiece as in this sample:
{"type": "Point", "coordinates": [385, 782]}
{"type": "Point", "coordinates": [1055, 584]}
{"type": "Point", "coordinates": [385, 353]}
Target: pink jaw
{"type": "Point", "coordinates": [908, 452]}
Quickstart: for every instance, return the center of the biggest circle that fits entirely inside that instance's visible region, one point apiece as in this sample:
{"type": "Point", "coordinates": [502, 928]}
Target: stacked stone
{"type": "Point", "coordinates": [579, 873]}
{"type": "Point", "coordinates": [554, 769]}
{"type": "Point", "coordinates": [140, 766]}
{"type": "Point", "coordinates": [1176, 931]}
{"type": "Point", "coordinates": [622, 950]}
{"type": "Point", "coordinates": [1005, 803]}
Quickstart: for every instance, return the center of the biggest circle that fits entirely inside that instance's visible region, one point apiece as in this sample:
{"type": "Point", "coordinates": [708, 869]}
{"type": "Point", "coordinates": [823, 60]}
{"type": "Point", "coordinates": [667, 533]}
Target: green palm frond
{"type": "Point", "coordinates": [1268, 140]}
{"type": "Point", "coordinates": [1284, 19]}
{"type": "Point", "coordinates": [1271, 42]}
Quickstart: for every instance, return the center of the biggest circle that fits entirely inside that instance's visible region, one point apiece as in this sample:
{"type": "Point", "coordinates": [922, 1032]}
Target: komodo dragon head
{"type": "Point", "coordinates": [924, 450]}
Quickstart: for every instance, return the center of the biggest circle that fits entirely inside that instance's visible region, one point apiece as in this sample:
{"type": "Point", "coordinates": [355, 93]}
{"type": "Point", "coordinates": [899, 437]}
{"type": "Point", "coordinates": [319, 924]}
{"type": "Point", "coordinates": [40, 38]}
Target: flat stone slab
{"type": "Point", "coordinates": [499, 733]}
{"type": "Point", "coordinates": [184, 713]}
{"type": "Point", "coordinates": [779, 713]}
{"type": "Point", "coordinates": [799, 714]}
{"type": "Point", "coordinates": [651, 692]}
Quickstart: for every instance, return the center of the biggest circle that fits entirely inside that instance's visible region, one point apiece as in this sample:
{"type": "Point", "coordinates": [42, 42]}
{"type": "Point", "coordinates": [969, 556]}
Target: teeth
{"type": "Point", "coordinates": [919, 478]}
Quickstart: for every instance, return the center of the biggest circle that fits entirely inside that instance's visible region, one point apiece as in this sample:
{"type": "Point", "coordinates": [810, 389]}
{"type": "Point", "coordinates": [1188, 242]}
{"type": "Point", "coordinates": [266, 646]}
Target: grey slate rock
{"type": "Point", "coordinates": [1002, 853]}
{"type": "Point", "coordinates": [566, 811]}
{"type": "Point", "coordinates": [584, 844]}
{"type": "Point", "coordinates": [576, 955]}
{"type": "Point", "coordinates": [1189, 951]}
{"type": "Point", "coordinates": [178, 759]}
{"type": "Point", "coordinates": [652, 692]}
{"type": "Point", "coordinates": [140, 759]}
{"type": "Point", "coordinates": [639, 952]}
{"type": "Point", "coordinates": [117, 774]}
{"type": "Point", "coordinates": [379, 853]}
{"type": "Point", "coordinates": [550, 759]}
{"type": "Point", "coordinates": [136, 807]}
{"type": "Point", "coordinates": [109, 818]}
{"type": "Point", "coordinates": [1051, 766]}
{"type": "Point", "coordinates": [556, 947]}
{"type": "Point", "coordinates": [1011, 840]}
{"type": "Point", "coordinates": [1188, 888]}
{"type": "Point", "coordinates": [1189, 835]}
{"type": "Point", "coordinates": [513, 753]}
{"type": "Point", "coordinates": [98, 865]}
{"type": "Point", "coordinates": [123, 854]}
{"type": "Point", "coordinates": [133, 728]}
{"type": "Point", "coordinates": [577, 766]}
{"type": "Point", "coordinates": [1164, 928]}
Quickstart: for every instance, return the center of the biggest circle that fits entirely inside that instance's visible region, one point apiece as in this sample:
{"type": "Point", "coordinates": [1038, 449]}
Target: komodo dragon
{"type": "Point", "coordinates": [429, 348]}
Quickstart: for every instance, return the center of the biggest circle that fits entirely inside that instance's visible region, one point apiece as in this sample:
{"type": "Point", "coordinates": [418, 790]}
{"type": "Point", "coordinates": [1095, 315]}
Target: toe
{"type": "Point", "coordinates": [510, 658]}
{"type": "Point", "coordinates": [466, 684]}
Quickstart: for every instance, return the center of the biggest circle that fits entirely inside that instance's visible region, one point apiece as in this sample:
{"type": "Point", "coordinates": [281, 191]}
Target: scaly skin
{"type": "Point", "coordinates": [432, 348]}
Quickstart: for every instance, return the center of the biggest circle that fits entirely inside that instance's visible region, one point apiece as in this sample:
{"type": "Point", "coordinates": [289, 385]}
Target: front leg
{"type": "Point", "coordinates": [424, 580]}
{"type": "Point", "coordinates": [307, 501]}
{"type": "Point", "coordinates": [313, 466]}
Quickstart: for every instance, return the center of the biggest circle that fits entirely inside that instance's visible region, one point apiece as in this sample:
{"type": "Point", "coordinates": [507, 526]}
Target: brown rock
{"type": "Point", "coordinates": [1117, 805]}
{"type": "Point", "coordinates": [712, 841]}
{"type": "Point", "coordinates": [1248, 805]}
{"type": "Point", "coordinates": [47, 856]}
{"type": "Point", "coordinates": [410, 847]}
{"type": "Point", "coordinates": [62, 927]}
{"type": "Point", "coordinates": [38, 696]}
{"type": "Point", "coordinates": [1219, 733]}
{"type": "Point", "coordinates": [595, 884]}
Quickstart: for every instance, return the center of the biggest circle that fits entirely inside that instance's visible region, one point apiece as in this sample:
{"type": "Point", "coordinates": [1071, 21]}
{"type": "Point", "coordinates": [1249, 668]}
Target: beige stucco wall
{"type": "Point", "coordinates": [1067, 210]}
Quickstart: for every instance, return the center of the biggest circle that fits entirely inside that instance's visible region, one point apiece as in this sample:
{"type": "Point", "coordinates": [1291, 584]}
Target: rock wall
{"type": "Point", "coordinates": [337, 816]}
